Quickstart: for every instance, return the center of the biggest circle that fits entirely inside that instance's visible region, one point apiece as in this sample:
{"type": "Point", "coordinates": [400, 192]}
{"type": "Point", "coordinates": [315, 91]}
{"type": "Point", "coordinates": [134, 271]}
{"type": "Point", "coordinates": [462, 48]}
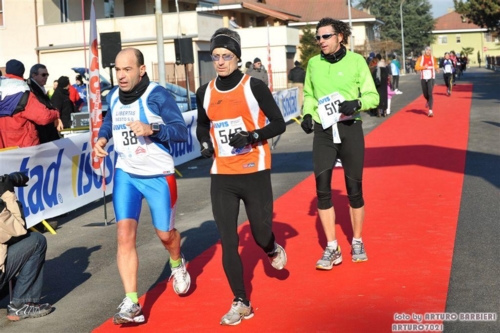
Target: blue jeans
{"type": "Point", "coordinates": [26, 259]}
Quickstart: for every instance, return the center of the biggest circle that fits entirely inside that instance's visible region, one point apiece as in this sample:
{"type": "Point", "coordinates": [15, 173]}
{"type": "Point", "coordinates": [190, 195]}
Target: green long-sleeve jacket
{"type": "Point", "coordinates": [350, 77]}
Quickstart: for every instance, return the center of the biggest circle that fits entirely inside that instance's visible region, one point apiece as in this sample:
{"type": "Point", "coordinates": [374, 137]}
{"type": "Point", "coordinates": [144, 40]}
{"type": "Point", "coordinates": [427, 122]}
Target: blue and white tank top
{"type": "Point", "coordinates": [138, 155]}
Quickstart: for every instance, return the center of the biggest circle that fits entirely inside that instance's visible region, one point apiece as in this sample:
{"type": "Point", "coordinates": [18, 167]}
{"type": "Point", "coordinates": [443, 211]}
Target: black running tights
{"type": "Point", "coordinates": [427, 87]}
{"type": "Point", "coordinates": [256, 192]}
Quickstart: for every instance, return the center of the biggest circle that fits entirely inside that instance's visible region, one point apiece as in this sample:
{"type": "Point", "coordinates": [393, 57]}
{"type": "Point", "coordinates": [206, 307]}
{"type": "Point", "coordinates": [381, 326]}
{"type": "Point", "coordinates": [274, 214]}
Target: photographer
{"type": "Point", "coordinates": [22, 253]}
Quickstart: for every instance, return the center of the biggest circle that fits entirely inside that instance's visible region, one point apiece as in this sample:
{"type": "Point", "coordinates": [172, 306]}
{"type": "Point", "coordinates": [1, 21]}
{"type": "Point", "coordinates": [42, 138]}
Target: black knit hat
{"type": "Point", "coordinates": [256, 60]}
{"type": "Point", "coordinates": [14, 67]}
{"type": "Point", "coordinates": [226, 39]}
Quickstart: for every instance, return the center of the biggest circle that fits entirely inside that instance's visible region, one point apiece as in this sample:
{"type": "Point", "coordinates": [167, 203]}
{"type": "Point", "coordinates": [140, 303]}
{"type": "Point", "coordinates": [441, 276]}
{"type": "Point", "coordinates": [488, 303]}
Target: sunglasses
{"type": "Point", "coordinates": [226, 57]}
{"type": "Point", "coordinates": [325, 37]}
{"type": "Point", "coordinates": [44, 74]}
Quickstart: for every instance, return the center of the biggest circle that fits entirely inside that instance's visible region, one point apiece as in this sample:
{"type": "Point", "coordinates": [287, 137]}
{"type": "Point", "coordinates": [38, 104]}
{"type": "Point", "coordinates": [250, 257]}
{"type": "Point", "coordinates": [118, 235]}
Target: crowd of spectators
{"type": "Point", "coordinates": [31, 115]}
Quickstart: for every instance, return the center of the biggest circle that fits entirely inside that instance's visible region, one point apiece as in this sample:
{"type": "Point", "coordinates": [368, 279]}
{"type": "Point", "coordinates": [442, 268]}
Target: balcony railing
{"type": "Point", "coordinates": [133, 29]}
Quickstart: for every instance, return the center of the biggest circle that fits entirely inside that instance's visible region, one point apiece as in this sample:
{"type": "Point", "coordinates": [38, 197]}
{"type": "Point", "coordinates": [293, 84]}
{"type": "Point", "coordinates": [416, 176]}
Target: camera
{"type": "Point", "coordinates": [18, 179]}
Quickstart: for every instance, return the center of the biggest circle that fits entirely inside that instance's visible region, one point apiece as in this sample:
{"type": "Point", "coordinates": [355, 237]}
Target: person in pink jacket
{"type": "Point", "coordinates": [390, 93]}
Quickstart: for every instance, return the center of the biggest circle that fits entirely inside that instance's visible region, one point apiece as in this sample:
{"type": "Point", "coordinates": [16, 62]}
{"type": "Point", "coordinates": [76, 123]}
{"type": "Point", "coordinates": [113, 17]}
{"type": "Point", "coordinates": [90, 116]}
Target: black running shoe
{"type": "Point", "coordinates": [28, 310]}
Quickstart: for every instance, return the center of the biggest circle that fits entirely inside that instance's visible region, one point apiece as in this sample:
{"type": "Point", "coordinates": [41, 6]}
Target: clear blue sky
{"type": "Point", "coordinates": [440, 7]}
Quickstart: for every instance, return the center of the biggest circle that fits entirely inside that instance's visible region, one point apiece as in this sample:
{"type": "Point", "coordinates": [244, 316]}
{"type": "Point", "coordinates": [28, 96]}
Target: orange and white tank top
{"type": "Point", "coordinates": [230, 112]}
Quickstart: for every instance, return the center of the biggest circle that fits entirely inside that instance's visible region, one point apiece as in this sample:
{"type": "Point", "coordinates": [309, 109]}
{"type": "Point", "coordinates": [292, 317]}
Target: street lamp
{"type": "Point", "coordinates": [402, 36]}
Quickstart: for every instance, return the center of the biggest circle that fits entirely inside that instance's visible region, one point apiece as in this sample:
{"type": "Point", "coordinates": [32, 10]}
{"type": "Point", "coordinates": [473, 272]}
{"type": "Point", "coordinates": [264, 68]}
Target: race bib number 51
{"type": "Point", "coordinates": [328, 109]}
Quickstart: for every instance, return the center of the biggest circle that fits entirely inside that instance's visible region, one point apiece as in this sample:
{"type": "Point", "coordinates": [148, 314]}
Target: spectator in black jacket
{"type": "Point", "coordinates": [296, 78]}
{"type": "Point", "coordinates": [61, 101]}
{"type": "Point", "coordinates": [38, 79]}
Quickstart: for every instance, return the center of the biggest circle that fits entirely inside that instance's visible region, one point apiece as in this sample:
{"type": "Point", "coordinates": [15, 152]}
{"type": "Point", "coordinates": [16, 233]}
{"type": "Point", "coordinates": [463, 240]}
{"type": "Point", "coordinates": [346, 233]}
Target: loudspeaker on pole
{"type": "Point", "coordinates": [184, 51]}
{"type": "Point", "coordinates": [111, 44]}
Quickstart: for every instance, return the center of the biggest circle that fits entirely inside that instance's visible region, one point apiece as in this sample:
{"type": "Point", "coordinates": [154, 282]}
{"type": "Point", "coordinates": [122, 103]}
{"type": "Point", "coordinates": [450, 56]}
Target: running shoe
{"type": "Point", "coordinates": [427, 105]}
{"type": "Point", "coordinates": [430, 114]}
{"type": "Point", "coordinates": [27, 310]}
{"type": "Point", "coordinates": [182, 279]}
{"type": "Point", "coordinates": [398, 92]}
{"type": "Point", "coordinates": [448, 92]}
{"type": "Point", "coordinates": [330, 258]}
{"type": "Point", "coordinates": [279, 259]}
{"type": "Point", "coordinates": [237, 312]}
{"type": "Point", "coordinates": [358, 252]}
{"type": "Point", "coordinates": [130, 312]}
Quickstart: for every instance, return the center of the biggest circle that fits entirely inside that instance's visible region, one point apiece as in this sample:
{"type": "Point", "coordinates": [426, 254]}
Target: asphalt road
{"type": "Point", "coordinates": [81, 276]}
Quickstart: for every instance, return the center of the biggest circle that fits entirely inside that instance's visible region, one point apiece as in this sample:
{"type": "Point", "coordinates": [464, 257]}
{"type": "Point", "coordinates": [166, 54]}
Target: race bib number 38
{"type": "Point", "coordinates": [328, 109]}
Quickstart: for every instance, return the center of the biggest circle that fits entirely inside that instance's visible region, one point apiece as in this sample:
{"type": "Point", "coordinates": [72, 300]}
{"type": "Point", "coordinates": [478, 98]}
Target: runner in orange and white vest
{"type": "Point", "coordinates": [428, 66]}
{"type": "Point", "coordinates": [237, 114]}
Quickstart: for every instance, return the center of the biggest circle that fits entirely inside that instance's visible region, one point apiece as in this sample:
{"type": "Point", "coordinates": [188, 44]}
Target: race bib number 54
{"type": "Point", "coordinates": [224, 131]}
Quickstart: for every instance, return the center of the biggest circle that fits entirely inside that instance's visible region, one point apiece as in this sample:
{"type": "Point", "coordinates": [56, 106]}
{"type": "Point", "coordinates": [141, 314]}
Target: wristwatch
{"type": "Point", "coordinates": [155, 127]}
{"type": "Point", "coordinates": [255, 136]}
{"type": "Point", "coordinates": [359, 104]}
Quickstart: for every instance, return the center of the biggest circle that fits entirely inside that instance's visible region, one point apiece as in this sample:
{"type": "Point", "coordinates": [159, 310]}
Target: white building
{"type": "Point", "coordinates": [53, 33]}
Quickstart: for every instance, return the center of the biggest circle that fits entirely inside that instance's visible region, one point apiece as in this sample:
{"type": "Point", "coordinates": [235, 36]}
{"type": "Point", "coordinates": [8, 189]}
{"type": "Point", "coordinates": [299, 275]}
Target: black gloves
{"type": "Point", "coordinates": [241, 139]}
{"type": "Point", "coordinates": [5, 184]}
{"type": "Point", "coordinates": [349, 107]}
{"type": "Point", "coordinates": [207, 149]}
{"type": "Point", "coordinates": [307, 124]}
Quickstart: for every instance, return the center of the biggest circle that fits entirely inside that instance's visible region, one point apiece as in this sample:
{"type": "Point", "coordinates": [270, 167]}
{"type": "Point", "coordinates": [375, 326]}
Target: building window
{"type": "Point", "coordinates": [1, 13]}
{"type": "Point", "coordinates": [489, 38]}
{"type": "Point", "coordinates": [458, 39]}
{"type": "Point", "coordinates": [443, 39]}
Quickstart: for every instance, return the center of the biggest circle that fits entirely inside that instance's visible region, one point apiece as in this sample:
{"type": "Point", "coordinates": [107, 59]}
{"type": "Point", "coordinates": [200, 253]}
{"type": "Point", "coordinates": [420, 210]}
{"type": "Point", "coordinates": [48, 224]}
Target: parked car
{"type": "Point", "coordinates": [180, 95]}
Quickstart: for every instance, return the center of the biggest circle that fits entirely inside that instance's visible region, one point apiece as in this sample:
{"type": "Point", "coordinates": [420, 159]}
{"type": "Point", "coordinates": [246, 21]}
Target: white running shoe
{"type": "Point", "coordinates": [430, 114]}
{"type": "Point", "coordinates": [182, 279]}
{"type": "Point", "coordinates": [130, 312]}
{"type": "Point", "coordinates": [237, 312]}
{"type": "Point", "coordinates": [279, 260]}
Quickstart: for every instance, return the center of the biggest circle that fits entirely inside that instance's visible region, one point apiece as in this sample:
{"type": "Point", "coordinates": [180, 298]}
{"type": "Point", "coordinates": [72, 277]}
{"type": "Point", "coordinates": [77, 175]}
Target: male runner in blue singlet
{"type": "Point", "coordinates": [143, 121]}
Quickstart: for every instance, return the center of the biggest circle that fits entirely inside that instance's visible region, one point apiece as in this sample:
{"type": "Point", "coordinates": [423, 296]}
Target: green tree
{"type": "Point", "coordinates": [308, 46]}
{"type": "Point", "coordinates": [417, 22]}
{"type": "Point", "coordinates": [484, 13]}
{"type": "Point", "coordinates": [467, 51]}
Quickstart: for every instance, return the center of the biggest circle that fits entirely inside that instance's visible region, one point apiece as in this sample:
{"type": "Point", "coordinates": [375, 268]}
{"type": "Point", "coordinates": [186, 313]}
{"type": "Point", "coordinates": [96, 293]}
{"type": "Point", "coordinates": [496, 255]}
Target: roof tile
{"type": "Point", "coordinates": [453, 21]}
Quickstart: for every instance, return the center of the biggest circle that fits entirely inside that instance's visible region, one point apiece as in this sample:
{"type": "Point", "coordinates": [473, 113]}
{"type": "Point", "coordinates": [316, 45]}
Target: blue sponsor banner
{"type": "Point", "coordinates": [61, 175]}
{"type": "Point", "coordinates": [288, 102]}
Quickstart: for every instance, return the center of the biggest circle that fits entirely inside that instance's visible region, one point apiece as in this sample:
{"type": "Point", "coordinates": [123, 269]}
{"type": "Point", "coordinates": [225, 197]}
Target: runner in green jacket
{"type": "Point", "coordinates": [338, 86]}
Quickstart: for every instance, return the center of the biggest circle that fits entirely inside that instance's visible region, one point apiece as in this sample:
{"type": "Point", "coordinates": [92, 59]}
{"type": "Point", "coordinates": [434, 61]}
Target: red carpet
{"type": "Point", "coordinates": [412, 185]}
